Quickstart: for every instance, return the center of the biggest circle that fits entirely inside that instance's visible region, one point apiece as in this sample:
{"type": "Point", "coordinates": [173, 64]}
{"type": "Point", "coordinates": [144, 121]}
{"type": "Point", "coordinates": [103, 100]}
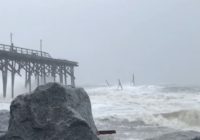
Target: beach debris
{"type": "Point", "coordinates": [106, 132]}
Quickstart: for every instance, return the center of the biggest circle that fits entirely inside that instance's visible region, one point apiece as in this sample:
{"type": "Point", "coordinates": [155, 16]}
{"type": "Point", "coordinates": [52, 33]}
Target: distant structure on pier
{"type": "Point", "coordinates": [33, 63]}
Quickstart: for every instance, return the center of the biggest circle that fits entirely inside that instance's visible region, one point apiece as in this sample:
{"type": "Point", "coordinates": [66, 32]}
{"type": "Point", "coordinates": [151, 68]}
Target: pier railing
{"type": "Point", "coordinates": [14, 49]}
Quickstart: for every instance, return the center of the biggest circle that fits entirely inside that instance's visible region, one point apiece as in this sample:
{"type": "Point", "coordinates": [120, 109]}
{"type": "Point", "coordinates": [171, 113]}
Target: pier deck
{"type": "Point", "coordinates": [33, 63]}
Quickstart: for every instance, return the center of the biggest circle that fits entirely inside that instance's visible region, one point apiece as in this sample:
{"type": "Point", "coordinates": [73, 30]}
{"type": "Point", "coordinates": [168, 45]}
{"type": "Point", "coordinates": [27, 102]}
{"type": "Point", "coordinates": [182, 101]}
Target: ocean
{"type": "Point", "coordinates": [146, 111]}
{"type": "Point", "coordinates": [143, 112]}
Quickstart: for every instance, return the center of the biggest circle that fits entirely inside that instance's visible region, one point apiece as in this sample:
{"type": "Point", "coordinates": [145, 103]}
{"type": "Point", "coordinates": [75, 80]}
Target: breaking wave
{"type": "Point", "coordinates": [189, 117]}
{"type": "Point", "coordinates": [167, 106]}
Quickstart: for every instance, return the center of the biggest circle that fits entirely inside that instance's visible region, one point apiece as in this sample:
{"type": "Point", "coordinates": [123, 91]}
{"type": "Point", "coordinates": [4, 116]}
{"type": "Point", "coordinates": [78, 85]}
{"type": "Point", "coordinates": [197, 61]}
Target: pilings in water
{"type": "Point", "coordinates": [133, 80]}
{"type": "Point", "coordinates": [31, 63]}
{"type": "Point", "coordinates": [120, 85]}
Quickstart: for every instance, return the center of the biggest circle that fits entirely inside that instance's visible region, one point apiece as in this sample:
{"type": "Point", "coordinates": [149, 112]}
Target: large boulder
{"type": "Point", "coordinates": [51, 112]}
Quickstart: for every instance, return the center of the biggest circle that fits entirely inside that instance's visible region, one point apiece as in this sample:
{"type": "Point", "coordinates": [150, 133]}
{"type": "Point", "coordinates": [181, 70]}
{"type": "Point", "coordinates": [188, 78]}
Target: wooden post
{"type": "Point", "coordinates": [26, 76]}
{"type": "Point", "coordinates": [65, 76]}
{"type": "Point", "coordinates": [45, 81]}
{"type": "Point", "coordinates": [43, 73]}
{"type": "Point", "coordinates": [38, 74]}
{"type": "Point", "coordinates": [12, 83]}
{"type": "Point", "coordinates": [12, 79]}
{"type": "Point", "coordinates": [53, 73]}
{"type": "Point", "coordinates": [4, 77]}
{"type": "Point", "coordinates": [37, 79]}
{"type": "Point", "coordinates": [72, 76]}
{"type": "Point", "coordinates": [41, 47]}
{"type": "Point", "coordinates": [61, 75]}
{"type": "Point", "coordinates": [29, 77]}
{"type": "Point", "coordinates": [29, 81]}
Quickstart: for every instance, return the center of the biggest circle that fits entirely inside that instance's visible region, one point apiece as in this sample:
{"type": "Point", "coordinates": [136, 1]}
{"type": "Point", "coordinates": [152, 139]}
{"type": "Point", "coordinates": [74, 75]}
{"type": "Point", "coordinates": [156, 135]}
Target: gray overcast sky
{"type": "Point", "coordinates": [158, 40]}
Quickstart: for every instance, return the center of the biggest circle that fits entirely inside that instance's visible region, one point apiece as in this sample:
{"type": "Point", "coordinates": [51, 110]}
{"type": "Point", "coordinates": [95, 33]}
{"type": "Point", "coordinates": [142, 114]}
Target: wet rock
{"type": "Point", "coordinates": [51, 112]}
{"type": "Point", "coordinates": [182, 135]}
{"type": "Point", "coordinates": [197, 138]}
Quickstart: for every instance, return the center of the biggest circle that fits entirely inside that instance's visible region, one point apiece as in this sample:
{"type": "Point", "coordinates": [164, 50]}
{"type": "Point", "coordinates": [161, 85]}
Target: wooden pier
{"type": "Point", "coordinates": [33, 63]}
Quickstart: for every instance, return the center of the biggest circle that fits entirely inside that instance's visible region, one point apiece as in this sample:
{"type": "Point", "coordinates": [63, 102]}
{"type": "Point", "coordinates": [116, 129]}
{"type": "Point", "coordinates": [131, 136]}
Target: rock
{"type": "Point", "coordinates": [182, 135]}
{"type": "Point", "coordinates": [51, 112]}
{"type": "Point", "coordinates": [197, 138]}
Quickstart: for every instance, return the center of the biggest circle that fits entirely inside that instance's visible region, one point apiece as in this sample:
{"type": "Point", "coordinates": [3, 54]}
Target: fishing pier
{"type": "Point", "coordinates": [31, 64]}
